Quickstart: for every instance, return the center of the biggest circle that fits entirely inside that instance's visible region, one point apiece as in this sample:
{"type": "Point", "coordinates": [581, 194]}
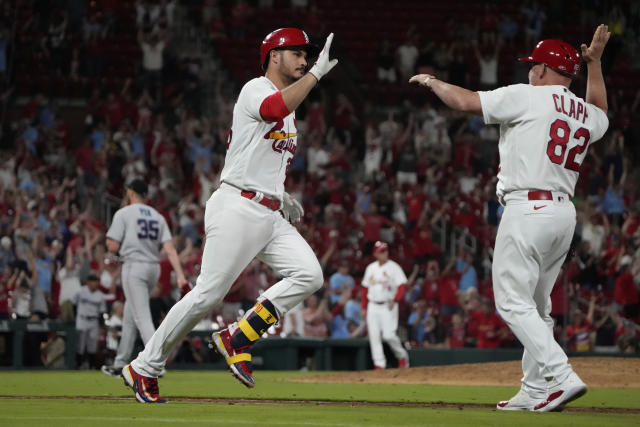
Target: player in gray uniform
{"type": "Point", "coordinates": [137, 232]}
{"type": "Point", "coordinates": [90, 304]}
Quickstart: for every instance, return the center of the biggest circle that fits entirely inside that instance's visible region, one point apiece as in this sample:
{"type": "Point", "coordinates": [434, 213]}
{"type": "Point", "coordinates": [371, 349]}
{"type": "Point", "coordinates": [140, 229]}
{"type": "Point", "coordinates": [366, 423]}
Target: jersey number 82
{"type": "Point", "coordinates": [560, 132]}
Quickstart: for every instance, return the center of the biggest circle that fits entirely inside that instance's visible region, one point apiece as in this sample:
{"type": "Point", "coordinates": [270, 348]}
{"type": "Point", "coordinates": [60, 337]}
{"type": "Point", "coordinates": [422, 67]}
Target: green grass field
{"type": "Point", "coordinates": [68, 398]}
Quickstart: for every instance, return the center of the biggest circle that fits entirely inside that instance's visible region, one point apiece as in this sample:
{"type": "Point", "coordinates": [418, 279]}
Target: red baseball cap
{"type": "Point", "coordinates": [380, 246]}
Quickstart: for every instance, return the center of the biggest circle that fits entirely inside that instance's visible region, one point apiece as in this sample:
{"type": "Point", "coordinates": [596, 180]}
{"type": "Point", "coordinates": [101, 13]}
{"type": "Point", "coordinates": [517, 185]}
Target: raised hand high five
{"type": "Point", "coordinates": [599, 41]}
{"type": "Point", "coordinates": [323, 65]}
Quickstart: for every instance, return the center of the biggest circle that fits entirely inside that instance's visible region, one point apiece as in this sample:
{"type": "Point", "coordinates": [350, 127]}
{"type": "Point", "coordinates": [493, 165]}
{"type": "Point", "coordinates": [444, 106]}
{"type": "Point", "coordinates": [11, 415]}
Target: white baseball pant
{"type": "Point", "coordinates": [138, 281]}
{"type": "Point", "coordinates": [237, 230]}
{"type": "Point", "coordinates": [382, 324]}
{"type": "Point", "coordinates": [532, 242]}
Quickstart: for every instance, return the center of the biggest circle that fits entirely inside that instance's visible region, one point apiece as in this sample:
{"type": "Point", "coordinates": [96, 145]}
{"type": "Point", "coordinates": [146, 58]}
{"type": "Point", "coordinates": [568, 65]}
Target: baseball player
{"type": "Point", "coordinates": [137, 232]}
{"type": "Point", "coordinates": [384, 285]}
{"type": "Point", "coordinates": [90, 303]}
{"type": "Point", "coordinates": [544, 133]}
{"type": "Point", "coordinates": [248, 216]}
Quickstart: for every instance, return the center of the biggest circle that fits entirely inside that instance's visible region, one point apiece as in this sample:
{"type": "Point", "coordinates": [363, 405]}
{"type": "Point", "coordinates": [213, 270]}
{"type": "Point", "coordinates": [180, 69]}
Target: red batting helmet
{"type": "Point", "coordinates": [286, 37]}
{"type": "Point", "coordinates": [557, 55]}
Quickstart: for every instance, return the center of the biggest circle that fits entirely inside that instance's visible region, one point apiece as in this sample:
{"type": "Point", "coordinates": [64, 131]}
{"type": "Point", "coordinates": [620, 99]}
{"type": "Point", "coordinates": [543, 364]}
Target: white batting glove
{"type": "Point", "coordinates": [323, 65]}
{"type": "Point", "coordinates": [292, 210]}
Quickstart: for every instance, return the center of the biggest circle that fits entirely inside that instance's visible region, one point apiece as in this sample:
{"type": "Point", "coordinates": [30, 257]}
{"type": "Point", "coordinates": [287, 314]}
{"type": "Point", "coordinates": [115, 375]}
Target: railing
{"type": "Point", "coordinates": [108, 206]}
{"type": "Point", "coordinates": [19, 328]}
{"type": "Point", "coordinates": [451, 238]}
{"type": "Point", "coordinates": [282, 353]}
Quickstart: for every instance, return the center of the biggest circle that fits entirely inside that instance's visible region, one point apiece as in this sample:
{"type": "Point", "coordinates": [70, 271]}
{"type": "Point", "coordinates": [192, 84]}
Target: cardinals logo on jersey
{"type": "Point", "coordinates": [282, 140]}
{"type": "Point", "coordinates": [383, 279]}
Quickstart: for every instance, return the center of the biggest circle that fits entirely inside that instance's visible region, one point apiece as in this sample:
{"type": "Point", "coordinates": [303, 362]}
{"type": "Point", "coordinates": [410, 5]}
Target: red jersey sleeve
{"type": "Point", "coordinates": [273, 108]}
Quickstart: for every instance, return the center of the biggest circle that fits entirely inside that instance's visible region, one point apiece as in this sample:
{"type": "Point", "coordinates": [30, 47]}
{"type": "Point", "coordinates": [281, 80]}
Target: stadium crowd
{"type": "Point", "coordinates": [413, 174]}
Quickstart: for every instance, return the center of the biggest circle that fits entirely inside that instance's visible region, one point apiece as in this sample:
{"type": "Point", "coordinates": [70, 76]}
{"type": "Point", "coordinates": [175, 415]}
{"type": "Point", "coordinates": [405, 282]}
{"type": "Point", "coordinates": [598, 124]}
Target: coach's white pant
{"type": "Point", "coordinates": [138, 281]}
{"type": "Point", "coordinates": [237, 230]}
{"type": "Point", "coordinates": [382, 324]}
{"type": "Point", "coordinates": [532, 242]}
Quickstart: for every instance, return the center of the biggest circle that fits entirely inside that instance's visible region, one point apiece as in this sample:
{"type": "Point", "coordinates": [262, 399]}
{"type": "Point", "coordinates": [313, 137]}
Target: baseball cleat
{"type": "Point", "coordinates": [145, 388]}
{"type": "Point", "coordinates": [403, 363]}
{"type": "Point", "coordinates": [520, 402]}
{"type": "Point", "coordinates": [562, 393]}
{"type": "Point", "coordinates": [239, 362]}
{"type": "Point", "coordinates": [111, 370]}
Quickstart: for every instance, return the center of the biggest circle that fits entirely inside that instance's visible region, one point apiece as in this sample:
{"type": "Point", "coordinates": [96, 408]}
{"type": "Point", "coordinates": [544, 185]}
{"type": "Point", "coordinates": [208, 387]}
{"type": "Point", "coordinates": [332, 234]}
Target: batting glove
{"type": "Point", "coordinates": [292, 210]}
{"type": "Point", "coordinates": [323, 65]}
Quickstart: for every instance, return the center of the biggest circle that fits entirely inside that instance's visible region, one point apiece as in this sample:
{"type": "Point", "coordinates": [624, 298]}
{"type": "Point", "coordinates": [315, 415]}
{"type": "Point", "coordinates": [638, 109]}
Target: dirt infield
{"type": "Point", "coordinates": [615, 372]}
{"type": "Point", "coordinates": [354, 403]}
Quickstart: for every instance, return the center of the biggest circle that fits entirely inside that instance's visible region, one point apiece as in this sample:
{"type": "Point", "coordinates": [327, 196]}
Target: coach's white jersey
{"type": "Point", "coordinates": [259, 152]}
{"type": "Point", "coordinates": [383, 280]}
{"type": "Point", "coordinates": [140, 230]}
{"type": "Point", "coordinates": [544, 135]}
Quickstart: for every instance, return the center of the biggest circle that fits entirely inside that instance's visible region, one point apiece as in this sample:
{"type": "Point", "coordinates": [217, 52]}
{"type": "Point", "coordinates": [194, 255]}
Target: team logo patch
{"type": "Point", "coordinates": [282, 140]}
{"type": "Point", "coordinates": [277, 132]}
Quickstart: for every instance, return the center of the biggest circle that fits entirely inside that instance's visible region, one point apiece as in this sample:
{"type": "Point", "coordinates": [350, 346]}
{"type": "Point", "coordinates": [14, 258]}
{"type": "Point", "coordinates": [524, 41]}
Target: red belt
{"type": "Point", "coordinates": [541, 195]}
{"type": "Point", "coordinates": [274, 205]}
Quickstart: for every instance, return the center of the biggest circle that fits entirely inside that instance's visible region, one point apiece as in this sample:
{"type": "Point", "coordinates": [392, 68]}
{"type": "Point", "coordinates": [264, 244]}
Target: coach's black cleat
{"type": "Point", "coordinates": [111, 370]}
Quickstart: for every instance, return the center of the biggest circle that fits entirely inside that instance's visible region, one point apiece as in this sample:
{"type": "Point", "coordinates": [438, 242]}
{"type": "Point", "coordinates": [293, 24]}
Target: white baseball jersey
{"type": "Point", "coordinates": [383, 280]}
{"type": "Point", "coordinates": [544, 135]}
{"type": "Point", "coordinates": [259, 152]}
{"type": "Point", "coordinates": [140, 230]}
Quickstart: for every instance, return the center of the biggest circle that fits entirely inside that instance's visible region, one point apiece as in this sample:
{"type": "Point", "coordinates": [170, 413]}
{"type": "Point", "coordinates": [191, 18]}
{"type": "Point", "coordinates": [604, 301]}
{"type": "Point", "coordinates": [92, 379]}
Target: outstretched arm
{"type": "Point", "coordinates": [596, 90]}
{"type": "Point", "coordinates": [453, 96]}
